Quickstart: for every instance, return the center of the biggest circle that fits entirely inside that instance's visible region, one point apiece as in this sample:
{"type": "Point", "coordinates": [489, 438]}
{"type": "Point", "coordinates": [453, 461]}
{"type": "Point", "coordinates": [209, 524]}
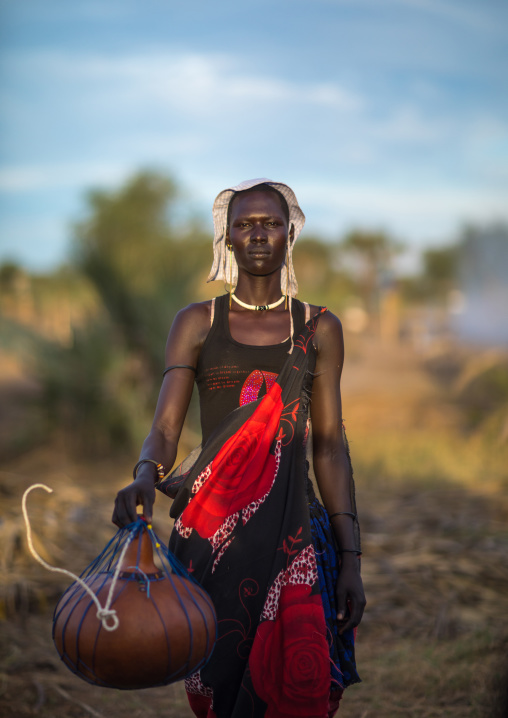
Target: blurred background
{"type": "Point", "coordinates": [120, 123]}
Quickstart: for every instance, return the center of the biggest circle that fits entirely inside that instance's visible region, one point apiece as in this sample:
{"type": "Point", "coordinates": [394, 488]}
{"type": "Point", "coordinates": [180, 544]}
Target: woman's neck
{"type": "Point", "coordinates": [258, 290]}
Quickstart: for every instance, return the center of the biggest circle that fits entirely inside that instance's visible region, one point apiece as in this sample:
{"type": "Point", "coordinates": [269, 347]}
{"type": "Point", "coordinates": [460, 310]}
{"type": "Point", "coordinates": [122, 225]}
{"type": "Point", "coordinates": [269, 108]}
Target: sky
{"type": "Point", "coordinates": [382, 114]}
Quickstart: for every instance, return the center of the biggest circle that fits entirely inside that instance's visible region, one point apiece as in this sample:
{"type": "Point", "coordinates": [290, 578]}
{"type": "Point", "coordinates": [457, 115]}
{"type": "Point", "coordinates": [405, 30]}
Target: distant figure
{"type": "Point", "coordinates": [281, 568]}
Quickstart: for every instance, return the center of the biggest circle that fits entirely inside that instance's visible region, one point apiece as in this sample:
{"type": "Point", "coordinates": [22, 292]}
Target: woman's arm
{"type": "Point", "coordinates": [331, 465]}
{"type": "Point", "coordinates": [186, 337]}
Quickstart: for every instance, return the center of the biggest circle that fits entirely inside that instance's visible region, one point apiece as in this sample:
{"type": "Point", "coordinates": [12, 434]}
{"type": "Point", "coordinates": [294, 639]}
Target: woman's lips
{"type": "Point", "coordinates": [259, 254]}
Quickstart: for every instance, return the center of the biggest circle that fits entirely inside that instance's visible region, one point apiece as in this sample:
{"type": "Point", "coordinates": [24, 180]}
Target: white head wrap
{"type": "Point", "coordinates": [222, 259]}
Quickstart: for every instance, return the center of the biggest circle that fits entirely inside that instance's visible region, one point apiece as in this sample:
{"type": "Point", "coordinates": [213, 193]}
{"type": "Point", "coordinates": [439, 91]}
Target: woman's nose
{"type": "Point", "coordinates": [259, 233]}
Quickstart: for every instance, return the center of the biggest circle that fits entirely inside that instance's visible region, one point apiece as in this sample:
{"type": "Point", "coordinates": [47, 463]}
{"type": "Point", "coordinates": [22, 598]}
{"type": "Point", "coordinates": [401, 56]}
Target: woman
{"type": "Point", "coordinates": [281, 568]}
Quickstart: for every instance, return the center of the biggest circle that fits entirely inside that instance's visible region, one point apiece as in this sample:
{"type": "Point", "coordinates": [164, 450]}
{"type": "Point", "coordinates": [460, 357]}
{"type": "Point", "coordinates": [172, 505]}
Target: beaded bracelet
{"type": "Point", "coordinates": [161, 472]}
{"type": "Point", "coordinates": [343, 513]}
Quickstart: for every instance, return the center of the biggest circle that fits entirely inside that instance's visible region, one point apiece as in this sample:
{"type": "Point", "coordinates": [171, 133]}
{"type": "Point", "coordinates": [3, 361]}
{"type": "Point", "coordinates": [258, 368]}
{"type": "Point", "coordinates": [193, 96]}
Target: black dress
{"type": "Point", "coordinates": [250, 529]}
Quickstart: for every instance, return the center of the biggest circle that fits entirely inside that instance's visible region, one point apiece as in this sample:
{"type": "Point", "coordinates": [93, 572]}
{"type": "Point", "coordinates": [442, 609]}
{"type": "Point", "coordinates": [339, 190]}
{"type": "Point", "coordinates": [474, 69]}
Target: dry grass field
{"type": "Point", "coordinates": [433, 500]}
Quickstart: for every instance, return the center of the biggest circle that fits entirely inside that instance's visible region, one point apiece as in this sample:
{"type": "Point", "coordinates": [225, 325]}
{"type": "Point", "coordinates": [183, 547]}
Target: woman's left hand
{"type": "Point", "coordinates": [350, 595]}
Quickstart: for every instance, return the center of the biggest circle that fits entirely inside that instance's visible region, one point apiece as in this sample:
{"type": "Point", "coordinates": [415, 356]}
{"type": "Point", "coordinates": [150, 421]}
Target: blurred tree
{"type": "Point", "coordinates": [9, 276]}
{"type": "Point", "coordinates": [437, 278]}
{"type": "Point", "coordinates": [321, 279]}
{"type": "Point", "coordinates": [440, 265]}
{"type": "Point", "coordinates": [440, 269]}
{"type": "Point", "coordinates": [140, 264]}
{"type": "Point", "coordinates": [94, 392]}
{"type": "Point", "coordinates": [372, 254]}
{"type": "Point", "coordinates": [99, 390]}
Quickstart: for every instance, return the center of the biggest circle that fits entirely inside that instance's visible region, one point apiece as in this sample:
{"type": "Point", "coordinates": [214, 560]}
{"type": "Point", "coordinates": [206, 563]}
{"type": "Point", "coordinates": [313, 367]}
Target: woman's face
{"type": "Point", "coordinates": [258, 232]}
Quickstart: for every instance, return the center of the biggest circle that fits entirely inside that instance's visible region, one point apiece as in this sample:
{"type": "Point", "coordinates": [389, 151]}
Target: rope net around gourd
{"type": "Point", "coordinates": [128, 623]}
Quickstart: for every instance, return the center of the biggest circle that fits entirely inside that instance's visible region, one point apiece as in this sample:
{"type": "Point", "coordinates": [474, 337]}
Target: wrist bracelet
{"type": "Point", "coordinates": [159, 468]}
{"type": "Point", "coordinates": [343, 513]}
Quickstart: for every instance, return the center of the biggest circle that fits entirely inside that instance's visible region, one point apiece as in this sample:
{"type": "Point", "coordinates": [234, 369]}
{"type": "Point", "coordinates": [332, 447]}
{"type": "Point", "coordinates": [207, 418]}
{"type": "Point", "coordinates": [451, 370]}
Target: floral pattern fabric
{"type": "Point", "coordinates": [243, 527]}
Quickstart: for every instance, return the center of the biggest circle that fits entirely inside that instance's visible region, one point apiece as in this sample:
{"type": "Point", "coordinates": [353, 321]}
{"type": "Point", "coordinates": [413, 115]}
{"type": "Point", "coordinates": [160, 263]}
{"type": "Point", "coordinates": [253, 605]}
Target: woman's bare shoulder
{"type": "Point", "coordinates": [192, 324]}
{"type": "Point", "coordinates": [328, 321]}
{"type": "Point", "coordinates": [195, 312]}
{"type": "Point", "coordinates": [329, 335]}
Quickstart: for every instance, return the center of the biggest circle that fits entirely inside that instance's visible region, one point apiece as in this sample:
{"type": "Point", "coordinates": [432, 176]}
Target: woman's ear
{"type": "Point", "coordinates": [291, 233]}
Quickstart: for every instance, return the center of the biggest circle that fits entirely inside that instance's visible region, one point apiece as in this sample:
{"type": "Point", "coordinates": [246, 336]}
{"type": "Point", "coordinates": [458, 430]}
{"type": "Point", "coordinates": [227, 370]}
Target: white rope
{"type": "Point", "coordinates": [103, 614]}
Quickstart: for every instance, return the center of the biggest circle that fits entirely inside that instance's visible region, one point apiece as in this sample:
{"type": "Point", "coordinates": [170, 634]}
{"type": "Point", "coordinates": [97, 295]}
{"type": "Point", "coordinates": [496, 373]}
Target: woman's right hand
{"type": "Point", "coordinates": [141, 492]}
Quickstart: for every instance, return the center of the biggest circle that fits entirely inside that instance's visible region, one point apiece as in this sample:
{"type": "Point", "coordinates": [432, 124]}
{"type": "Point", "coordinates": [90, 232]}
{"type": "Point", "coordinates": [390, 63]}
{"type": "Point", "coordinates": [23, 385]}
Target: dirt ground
{"type": "Point", "coordinates": [434, 638]}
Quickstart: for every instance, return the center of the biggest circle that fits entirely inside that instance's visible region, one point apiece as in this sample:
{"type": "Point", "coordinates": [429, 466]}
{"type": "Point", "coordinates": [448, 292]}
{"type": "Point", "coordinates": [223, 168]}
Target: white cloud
{"type": "Point", "coordinates": [193, 97]}
{"type": "Point", "coordinates": [408, 124]}
{"type": "Point", "coordinates": [103, 116]}
{"type": "Point", "coordinates": [29, 178]}
{"type": "Point", "coordinates": [411, 213]}
{"type": "Point", "coordinates": [80, 174]}
{"type": "Point", "coordinates": [408, 201]}
{"type": "Point", "coordinates": [199, 83]}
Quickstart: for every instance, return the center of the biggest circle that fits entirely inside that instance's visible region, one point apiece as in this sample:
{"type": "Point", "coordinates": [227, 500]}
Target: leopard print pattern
{"type": "Point", "coordinates": [303, 569]}
{"type": "Point", "coordinates": [194, 685]}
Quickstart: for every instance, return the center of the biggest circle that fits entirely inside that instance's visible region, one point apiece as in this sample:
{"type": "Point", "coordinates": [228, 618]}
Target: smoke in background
{"type": "Point", "coordinates": [483, 279]}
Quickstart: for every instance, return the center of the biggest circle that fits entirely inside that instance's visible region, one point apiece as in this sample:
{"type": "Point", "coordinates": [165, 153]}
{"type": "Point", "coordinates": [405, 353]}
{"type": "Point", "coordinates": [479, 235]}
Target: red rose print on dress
{"type": "Point", "coordinates": [289, 659]}
{"type": "Point", "coordinates": [242, 472]}
{"type": "Point", "coordinates": [218, 540]}
{"type": "Point", "coordinates": [201, 706]}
